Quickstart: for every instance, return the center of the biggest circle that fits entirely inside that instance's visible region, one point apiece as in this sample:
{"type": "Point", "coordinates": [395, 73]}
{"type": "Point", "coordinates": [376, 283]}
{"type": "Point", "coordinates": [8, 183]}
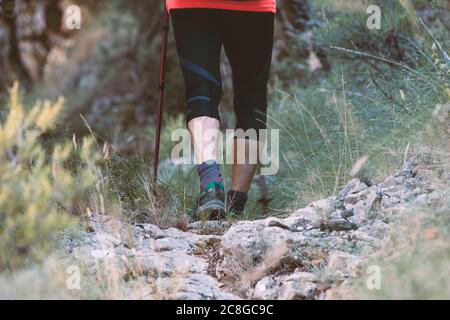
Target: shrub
{"type": "Point", "coordinates": [37, 187]}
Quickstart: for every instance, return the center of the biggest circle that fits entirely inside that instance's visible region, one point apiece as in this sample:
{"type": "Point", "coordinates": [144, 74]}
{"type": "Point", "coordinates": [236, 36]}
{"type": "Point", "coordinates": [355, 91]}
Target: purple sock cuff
{"type": "Point", "coordinates": [208, 172]}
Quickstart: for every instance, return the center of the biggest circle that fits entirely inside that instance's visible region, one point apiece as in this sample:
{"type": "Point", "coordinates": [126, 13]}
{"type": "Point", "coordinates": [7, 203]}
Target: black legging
{"type": "Point", "coordinates": [248, 40]}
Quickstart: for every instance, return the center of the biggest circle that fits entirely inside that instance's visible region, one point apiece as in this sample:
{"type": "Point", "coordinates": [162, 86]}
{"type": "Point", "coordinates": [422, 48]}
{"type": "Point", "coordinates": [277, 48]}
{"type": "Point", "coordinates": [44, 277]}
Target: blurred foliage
{"type": "Point", "coordinates": [377, 104]}
{"type": "Point", "coordinates": [38, 189]}
{"type": "Point", "coordinates": [397, 39]}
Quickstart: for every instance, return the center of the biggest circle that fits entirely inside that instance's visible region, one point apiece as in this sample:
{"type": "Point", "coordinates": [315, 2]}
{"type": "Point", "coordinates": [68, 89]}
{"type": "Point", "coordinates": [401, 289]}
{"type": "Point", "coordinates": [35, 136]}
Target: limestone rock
{"type": "Point", "coordinates": [266, 289]}
{"type": "Point", "coordinates": [341, 265]}
{"type": "Point", "coordinates": [273, 258]}
{"type": "Point", "coordinates": [298, 286]}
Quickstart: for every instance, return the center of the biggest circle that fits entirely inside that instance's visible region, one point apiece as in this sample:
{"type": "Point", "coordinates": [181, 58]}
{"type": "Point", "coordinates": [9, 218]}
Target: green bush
{"type": "Point", "coordinates": [37, 187]}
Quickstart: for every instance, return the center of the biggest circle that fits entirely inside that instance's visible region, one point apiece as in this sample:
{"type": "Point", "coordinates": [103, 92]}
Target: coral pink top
{"type": "Point", "coordinates": [239, 5]}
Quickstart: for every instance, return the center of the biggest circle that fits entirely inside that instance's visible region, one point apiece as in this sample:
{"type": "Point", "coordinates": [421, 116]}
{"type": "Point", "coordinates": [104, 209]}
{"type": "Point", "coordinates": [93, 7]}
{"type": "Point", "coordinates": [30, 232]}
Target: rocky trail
{"type": "Point", "coordinates": [305, 255]}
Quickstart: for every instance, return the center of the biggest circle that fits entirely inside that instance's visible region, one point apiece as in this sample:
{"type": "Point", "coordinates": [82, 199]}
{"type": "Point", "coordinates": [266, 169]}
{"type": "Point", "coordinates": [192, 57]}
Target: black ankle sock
{"type": "Point", "coordinates": [236, 200]}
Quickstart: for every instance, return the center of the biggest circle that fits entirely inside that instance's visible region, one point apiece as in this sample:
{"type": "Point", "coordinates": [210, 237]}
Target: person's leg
{"type": "Point", "coordinates": [248, 43]}
{"type": "Point", "coordinates": [198, 36]}
{"type": "Point", "coordinates": [204, 132]}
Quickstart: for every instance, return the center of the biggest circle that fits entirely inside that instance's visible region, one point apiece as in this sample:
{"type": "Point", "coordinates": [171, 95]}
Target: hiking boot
{"type": "Point", "coordinates": [211, 203]}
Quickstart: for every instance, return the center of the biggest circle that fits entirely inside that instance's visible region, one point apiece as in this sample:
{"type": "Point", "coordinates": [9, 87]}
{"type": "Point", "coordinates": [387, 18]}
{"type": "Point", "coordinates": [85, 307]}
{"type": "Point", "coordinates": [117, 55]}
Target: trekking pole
{"type": "Point", "coordinates": [162, 69]}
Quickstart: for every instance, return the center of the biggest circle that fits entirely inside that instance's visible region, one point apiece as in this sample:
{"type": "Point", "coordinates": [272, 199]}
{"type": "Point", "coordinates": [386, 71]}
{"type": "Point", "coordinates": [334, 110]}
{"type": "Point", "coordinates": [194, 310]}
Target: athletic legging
{"type": "Point", "coordinates": [248, 40]}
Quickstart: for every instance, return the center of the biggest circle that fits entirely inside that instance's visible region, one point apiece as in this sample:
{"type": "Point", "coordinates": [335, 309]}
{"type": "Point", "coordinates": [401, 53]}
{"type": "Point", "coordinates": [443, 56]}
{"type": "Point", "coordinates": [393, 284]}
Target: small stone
{"type": "Point", "coordinates": [421, 200]}
{"type": "Point", "coordinates": [338, 225]}
{"type": "Point", "coordinates": [266, 289]}
{"type": "Point", "coordinates": [153, 231]}
{"type": "Point", "coordinates": [170, 244]}
{"type": "Point", "coordinates": [354, 186]}
{"type": "Point", "coordinates": [360, 235]}
{"type": "Point", "coordinates": [298, 286]}
{"type": "Point", "coordinates": [389, 182]}
{"type": "Point", "coordinates": [345, 214]}
{"type": "Point", "coordinates": [104, 239]}
{"type": "Point", "coordinates": [335, 215]}
{"type": "Point", "coordinates": [209, 226]}
{"type": "Point", "coordinates": [102, 254]}
{"type": "Point", "coordinates": [341, 265]}
{"type": "Point", "coordinates": [304, 219]}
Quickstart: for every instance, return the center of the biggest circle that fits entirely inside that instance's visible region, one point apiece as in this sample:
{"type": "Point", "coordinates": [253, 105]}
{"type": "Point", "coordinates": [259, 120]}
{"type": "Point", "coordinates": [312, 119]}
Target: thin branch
{"type": "Point", "coordinates": [438, 44]}
{"type": "Point", "coordinates": [371, 56]}
{"type": "Point", "coordinates": [389, 95]}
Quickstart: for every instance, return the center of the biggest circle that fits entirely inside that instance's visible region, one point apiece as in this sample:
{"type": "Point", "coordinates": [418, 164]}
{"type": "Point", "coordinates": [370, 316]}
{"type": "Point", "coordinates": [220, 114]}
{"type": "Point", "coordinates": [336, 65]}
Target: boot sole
{"type": "Point", "coordinates": [212, 210]}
